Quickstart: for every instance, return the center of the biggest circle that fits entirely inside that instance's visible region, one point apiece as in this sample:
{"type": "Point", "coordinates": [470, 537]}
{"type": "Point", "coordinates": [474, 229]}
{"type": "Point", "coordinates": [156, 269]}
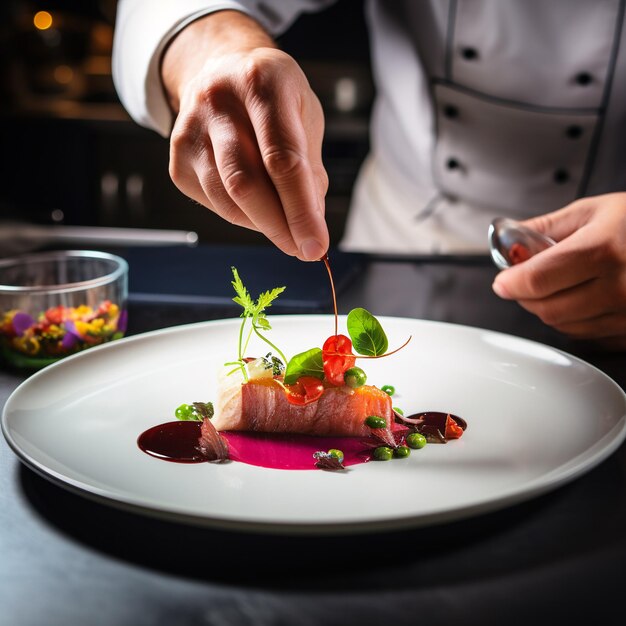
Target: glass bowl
{"type": "Point", "coordinates": [54, 304]}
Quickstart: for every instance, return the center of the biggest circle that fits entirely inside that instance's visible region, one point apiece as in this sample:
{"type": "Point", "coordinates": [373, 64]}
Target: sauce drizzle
{"type": "Point", "coordinates": [326, 261]}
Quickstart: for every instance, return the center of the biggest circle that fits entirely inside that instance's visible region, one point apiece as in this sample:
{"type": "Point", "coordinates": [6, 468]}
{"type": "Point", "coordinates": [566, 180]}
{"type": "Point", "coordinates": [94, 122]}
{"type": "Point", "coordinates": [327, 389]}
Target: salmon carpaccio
{"type": "Point", "coordinates": [261, 405]}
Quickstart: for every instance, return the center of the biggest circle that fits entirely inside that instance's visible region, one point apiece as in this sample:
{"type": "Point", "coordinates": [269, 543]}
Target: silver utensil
{"type": "Point", "coordinates": [511, 243]}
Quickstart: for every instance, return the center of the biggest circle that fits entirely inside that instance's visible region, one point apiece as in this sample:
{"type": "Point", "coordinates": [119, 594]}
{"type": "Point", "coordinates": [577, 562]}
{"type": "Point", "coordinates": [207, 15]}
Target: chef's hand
{"type": "Point", "coordinates": [247, 138]}
{"type": "Point", "coordinates": [577, 286]}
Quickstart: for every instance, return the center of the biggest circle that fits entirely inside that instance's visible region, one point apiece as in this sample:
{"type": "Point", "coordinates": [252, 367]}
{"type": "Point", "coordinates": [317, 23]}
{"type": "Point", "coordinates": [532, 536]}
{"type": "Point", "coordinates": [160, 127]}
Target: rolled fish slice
{"type": "Point", "coordinates": [262, 406]}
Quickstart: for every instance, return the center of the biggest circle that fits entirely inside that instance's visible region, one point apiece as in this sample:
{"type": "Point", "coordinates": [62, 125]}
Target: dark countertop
{"type": "Point", "coordinates": [69, 561]}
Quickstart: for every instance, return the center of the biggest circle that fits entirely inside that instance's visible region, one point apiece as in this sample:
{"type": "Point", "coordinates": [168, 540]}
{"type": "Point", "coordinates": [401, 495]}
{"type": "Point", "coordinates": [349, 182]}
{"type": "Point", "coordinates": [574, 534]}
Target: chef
{"type": "Point", "coordinates": [483, 108]}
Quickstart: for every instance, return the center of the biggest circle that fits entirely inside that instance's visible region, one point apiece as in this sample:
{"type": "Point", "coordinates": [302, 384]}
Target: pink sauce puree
{"type": "Point", "coordinates": [294, 452]}
{"type": "Point", "coordinates": [178, 442]}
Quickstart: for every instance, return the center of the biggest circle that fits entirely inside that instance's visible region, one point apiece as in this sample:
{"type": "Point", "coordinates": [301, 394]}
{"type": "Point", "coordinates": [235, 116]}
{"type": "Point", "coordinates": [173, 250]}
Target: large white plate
{"type": "Point", "coordinates": [537, 418]}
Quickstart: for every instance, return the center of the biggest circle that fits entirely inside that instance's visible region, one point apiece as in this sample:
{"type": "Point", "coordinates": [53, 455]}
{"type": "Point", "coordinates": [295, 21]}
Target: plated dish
{"type": "Point", "coordinates": [301, 412]}
{"type": "Point", "coordinates": [539, 418]}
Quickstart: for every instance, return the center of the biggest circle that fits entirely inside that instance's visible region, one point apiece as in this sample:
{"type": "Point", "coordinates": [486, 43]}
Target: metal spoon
{"type": "Point", "coordinates": [511, 243]}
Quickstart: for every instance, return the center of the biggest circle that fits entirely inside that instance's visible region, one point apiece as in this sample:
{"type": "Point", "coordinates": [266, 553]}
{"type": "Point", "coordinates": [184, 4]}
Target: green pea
{"type": "Point", "coordinates": [383, 453]}
{"type": "Point", "coordinates": [415, 441]}
{"type": "Point", "coordinates": [184, 412]}
{"type": "Point", "coordinates": [388, 389]}
{"type": "Point", "coordinates": [398, 410]}
{"type": "Point", "coordinates": [374, 421]}
{"type": "Point", "coordinates": [355, 377]}
{"type": "Point", "coordinates": [338, 454]}
{"type": "Point", "coordinates": [401, 452]}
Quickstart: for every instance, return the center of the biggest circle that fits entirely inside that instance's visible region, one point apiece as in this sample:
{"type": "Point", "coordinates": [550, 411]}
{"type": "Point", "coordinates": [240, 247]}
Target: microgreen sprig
{"type": "Point", "coordinates": [255, 312]}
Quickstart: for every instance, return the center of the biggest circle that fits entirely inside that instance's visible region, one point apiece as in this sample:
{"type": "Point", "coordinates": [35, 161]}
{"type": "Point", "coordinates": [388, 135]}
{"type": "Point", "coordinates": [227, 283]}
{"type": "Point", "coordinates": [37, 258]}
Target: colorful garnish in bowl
{"type": "Point", "coordinates": [55, 304]}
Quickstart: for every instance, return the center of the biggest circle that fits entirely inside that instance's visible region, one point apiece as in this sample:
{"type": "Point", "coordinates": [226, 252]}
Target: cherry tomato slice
{"type": "Point", "coordinates": [337, 358]}
{"type": "Point", "coordinates": [305, 390]}
{"type": "Point", "coordinates": [452, 430]}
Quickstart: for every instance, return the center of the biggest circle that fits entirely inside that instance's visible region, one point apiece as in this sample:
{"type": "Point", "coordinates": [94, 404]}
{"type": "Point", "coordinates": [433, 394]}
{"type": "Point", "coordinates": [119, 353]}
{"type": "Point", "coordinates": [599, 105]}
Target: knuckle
{"type": "Point", "coordinates": [322, 177]}
{"type": "Point", "coordinates": [259, 79]}
{"type": "Point", "coordinates": [299, 220]}
{"type": "Point", "coordinates": [187, 142]}
{"type": "Point", "coordinates": [282, 163]}
{"type": "Point", "coordinates": [176, 172]}
{"type": "Point", "coordinates": [180, 143]}
{"type": "Point", "coordinates": [213, 95]}
{"type": "Point", "coordinates": [325, 182]}
{"type": "Point", "coordinates": [179, 171]}
{"type": "Point", "coordinates": [238, 183]}
{"type": "Point", "coordinates": [210, 182]}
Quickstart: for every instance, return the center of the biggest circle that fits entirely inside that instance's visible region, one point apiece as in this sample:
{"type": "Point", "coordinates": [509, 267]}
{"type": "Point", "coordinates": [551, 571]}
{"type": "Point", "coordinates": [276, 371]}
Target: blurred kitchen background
{"type": "Point", "coordinates": [72, 157]}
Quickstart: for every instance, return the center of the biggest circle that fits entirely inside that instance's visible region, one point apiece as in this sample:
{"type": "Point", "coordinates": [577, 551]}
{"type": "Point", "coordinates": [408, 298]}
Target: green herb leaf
{"type": "Point", "coordinates": [266, 298]}
{"type": "Point", "coordinates": [366, 332]}
{"type": "Point", "coordinates": [243, 297]}
{"type": "Point", "coordinates": [307, 363]}
{"type": "Point", "coordinates": [262, 322]}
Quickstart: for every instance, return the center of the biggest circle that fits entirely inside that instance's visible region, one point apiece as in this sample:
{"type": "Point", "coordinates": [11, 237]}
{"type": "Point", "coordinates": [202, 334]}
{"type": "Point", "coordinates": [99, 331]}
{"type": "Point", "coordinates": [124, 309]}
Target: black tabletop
{"type": "Point", "coordinates": [69, 561]}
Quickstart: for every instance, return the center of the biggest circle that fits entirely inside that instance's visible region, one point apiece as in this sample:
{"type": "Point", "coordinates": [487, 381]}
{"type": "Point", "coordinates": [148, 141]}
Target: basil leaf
{"type": "Point", "coordinates": [368, 336]}
{"type": "Point", "coordinates": [307, 363]}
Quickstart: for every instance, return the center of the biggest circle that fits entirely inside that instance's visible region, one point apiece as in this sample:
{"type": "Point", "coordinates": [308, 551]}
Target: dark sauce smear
{"type": "Point", "coordinates": [179, 442]}
{"type": "Point", "coordinates": [438, 418]}
{"type": "Point", "coordinates": [173, 441]}
{"type": "Point", "coordinates": [433, 425]}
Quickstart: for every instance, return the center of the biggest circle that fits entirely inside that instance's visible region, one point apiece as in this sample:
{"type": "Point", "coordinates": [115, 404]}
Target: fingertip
{"type": "Point", "coordinates": [312, 250]}
{"type": "Point", "coordinates": [500, 290]}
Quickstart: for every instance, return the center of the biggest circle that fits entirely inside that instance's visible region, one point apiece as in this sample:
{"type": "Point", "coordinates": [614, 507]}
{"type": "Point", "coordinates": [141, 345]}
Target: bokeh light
{"type": "Point", "coordinates": [63, 74]}
{"type": "Point", "coordinates": [42, 20]}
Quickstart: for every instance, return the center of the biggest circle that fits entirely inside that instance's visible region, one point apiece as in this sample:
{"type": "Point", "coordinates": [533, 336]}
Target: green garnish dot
{"type": "Point", "coordinates": [374, 421]}
{"type": "Point", "coordinates": [184, 412]}
{"type": "Point", "coordinates": [401, 452]}
{"type": "Point", "coordinates": [355, 377]}
{"type": "Point", "coordinates": [383, 453]}
{"type": "Point", "coordinates": [388, 389]}
{"type": "Point", "coordinates": [338, 454]}
{"type": "Point", "coordinates": [415, 441]}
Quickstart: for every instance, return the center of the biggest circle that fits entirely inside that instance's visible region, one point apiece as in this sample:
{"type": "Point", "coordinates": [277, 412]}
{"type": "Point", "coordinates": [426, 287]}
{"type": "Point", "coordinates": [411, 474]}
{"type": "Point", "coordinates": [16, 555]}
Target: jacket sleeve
{"type": "Point", "coordinates": [144, 28]}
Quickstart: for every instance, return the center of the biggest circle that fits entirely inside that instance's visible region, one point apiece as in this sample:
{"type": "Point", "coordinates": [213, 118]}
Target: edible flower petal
{"type": "Point", "coordinates": [22, 322]}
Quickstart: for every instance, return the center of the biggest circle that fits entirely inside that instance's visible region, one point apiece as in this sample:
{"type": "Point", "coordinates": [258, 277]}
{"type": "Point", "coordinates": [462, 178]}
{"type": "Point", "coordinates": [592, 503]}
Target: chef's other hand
{"type": "Point", "coordinates": [248, 135]}
{"type": "Point", "coordinates": [577, 286]}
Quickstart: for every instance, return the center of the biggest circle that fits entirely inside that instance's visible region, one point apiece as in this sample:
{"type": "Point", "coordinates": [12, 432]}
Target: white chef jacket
{"type": "Point", "coordinates": [483, 108]}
